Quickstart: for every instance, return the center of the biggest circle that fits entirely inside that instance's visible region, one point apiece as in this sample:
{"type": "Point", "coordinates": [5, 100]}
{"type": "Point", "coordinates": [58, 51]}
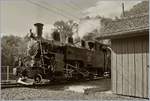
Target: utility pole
{"type": "Point", "coordinates": [123, 12]}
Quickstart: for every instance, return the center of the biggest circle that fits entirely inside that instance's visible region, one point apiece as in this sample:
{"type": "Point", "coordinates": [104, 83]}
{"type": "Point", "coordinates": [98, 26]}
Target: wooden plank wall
{"type": "Point", "coordinates": [145, 61]}
{"type": "Point", "coordinates": [138, 67]}
{"type": "Point", "coordinates": [119, 66]}
{"type": "Point", "coordinates": [125, 67]}
{"type": "Point", "coordinates": [129, 66]}
{"type": "Point", "coordinates": [113, 68]}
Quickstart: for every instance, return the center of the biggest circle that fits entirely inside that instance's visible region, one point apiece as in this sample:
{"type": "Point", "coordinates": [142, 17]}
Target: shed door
{"type": "Point", "coordinates": [130, 66]}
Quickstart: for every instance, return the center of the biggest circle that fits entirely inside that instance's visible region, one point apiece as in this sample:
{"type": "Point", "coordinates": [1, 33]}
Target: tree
{"type": "Point", "coordinates": [66, 29]}
{"type": "Point", "coordinates": [11, 47]}
{"type": "Point", "coordinates": [140, 8]}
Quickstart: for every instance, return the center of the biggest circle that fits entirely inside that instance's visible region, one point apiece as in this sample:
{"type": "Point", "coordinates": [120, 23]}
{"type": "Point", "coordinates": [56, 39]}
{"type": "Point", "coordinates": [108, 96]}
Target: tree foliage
{"type": "Point", "coordinates": [137, 9]}
{"type": "Point", "coordinates": [11, 47]}
{"type": "Point", "coordinates": [66, 29]}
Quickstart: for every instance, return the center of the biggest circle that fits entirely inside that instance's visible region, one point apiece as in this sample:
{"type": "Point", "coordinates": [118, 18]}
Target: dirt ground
{"type": "Point", "coordinates": [100, 90]}
{"type": "Point", "coordinates": [45, 94]}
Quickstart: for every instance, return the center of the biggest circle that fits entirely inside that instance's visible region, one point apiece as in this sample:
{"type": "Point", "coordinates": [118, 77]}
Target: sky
{"type": "Point", "coordinates": [18, 16]}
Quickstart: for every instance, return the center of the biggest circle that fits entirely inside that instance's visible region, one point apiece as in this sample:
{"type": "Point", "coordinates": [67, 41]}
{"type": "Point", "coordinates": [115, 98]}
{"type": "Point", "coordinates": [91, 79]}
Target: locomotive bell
{"type": "Point", "coordinates": [39, 29]}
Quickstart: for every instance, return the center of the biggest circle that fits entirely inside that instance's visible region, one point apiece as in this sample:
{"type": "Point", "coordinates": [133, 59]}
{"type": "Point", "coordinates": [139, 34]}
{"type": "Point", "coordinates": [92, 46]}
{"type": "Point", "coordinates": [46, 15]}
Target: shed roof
{"type": "Point", "coordinates": [124, 27]}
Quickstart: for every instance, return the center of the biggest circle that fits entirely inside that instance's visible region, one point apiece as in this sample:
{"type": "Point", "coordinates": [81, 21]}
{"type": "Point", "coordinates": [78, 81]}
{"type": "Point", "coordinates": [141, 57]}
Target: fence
{"type": "Point", "coordinates": [7, 73]}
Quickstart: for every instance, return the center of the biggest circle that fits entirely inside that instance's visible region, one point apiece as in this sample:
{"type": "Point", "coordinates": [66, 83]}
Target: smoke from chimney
{"type": "Point", "coordinates": [87, 26]}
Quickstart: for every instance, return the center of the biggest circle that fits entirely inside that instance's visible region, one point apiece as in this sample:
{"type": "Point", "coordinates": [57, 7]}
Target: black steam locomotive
{"type": "Point", "coordinates": [53, 60]}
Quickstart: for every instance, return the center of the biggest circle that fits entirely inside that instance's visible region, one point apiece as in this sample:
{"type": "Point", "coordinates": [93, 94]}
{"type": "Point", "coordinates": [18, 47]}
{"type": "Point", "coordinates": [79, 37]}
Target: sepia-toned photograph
{"type": "Point", "coordinates": [74, 49]}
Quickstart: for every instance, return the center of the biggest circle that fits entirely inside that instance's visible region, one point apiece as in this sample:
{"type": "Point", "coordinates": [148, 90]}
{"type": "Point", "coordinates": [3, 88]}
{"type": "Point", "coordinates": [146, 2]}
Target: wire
{"type": "Point", "coordinates": [59, 10]}
{"type": "Point", "coordinates": [71, 5]}
{"type": "Point", "coordinates": [48, 9]}
{"type": "Point", "coordinates": [75, 5]}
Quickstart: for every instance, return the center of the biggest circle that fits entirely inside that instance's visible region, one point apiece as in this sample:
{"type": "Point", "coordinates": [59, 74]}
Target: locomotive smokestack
{"type": "Point", "coordinates": [39, 29]}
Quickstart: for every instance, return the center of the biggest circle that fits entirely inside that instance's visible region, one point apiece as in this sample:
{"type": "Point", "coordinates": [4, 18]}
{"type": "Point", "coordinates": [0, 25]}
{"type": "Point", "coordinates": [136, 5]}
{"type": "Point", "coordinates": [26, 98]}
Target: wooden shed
{"type": "Point", "coordinates": [130, 54]}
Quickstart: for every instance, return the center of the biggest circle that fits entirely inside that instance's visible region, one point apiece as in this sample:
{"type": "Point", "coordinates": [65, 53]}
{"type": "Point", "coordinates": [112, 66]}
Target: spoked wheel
{"type": "Point", "coordinates": [38, 78]}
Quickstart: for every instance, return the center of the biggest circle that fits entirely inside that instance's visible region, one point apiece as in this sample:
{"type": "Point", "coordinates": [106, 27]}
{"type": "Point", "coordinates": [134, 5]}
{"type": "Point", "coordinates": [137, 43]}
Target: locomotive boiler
{"type": "Point", "coordinates": [54, 60]}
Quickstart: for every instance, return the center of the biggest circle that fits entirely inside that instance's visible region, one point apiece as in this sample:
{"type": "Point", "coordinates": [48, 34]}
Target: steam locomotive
{"type": "Point", "coordinates": [55, 61]}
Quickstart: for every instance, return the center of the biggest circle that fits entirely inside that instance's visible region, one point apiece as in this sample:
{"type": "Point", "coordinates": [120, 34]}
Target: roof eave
{"type": "Point", "coordinates": [131, 33]}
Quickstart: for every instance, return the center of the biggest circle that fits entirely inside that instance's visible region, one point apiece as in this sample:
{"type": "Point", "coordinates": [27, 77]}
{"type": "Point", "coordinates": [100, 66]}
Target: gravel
{"type": "Point", "coordinates": [47, 94]}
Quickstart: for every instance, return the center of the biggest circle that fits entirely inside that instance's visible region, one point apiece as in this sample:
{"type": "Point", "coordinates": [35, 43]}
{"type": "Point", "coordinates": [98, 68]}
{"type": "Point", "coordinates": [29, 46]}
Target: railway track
{"type": "Point", "coordinates": [10, 85]}
{"type": "Point", "coordinates": [15, 85]}
{"type": "Point", "coordinates": [44, 84]}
